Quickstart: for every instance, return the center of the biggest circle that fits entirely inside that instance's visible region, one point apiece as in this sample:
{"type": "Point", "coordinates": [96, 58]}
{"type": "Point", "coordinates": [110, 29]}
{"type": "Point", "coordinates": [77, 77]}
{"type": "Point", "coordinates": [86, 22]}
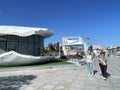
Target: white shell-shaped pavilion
{"type": "Point", "coordinates": [22, 45]}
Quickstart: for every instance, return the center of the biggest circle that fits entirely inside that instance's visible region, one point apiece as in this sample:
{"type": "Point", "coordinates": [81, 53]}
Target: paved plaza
{"type": "Point", "coordinates": [63, 77]}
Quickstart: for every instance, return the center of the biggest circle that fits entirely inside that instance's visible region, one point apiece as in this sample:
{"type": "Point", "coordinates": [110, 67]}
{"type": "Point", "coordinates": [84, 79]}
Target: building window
{"type": "Point", "coordinates": [31, 45]}
{"type": "Point", "coordinates": [12, 38]}
{"type": "Point", "coordinates": [2, 46]}
{"type": "Point", "coordinates": [23, 39]}
{"type": "Point", "coordinates": [12, 46]}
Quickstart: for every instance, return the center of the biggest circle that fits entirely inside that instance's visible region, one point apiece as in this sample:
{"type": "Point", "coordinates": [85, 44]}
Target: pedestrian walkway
{"type": "Point", "coordinates": [62, 78]}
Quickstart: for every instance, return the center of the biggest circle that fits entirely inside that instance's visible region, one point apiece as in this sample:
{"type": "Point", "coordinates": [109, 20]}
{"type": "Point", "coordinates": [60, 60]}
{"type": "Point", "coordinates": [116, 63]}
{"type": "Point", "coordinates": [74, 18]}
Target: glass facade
{"type": "Point", "coordinates": [31, 45]}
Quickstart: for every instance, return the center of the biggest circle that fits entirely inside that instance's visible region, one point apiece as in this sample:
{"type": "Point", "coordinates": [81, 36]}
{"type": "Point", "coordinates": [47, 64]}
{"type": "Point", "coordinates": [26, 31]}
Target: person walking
{"type": "Point", "coordinates": [103, 65]}
{"type": "Point", "coordinates": [89, 60]}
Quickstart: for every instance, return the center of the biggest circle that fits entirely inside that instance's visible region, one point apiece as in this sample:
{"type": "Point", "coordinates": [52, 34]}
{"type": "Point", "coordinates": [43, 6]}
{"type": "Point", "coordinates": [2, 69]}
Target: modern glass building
{"type": "Point", "coordinates": [30, 45]}
{"type": "Point", "coordinates": [24, 40]}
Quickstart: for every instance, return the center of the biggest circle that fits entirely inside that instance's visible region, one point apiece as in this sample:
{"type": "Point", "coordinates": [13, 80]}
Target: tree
{"type": "Point", "coordinates": [56, 46]}
{"type": "Point", "coordinates": [51, 47]}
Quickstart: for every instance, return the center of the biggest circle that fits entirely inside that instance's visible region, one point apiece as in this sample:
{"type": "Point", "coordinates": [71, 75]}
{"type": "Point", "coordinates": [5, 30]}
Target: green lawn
{"type": "Point", "coordinates": [50, 63]}
{"type": "Point", "coordinates": [55, 62]}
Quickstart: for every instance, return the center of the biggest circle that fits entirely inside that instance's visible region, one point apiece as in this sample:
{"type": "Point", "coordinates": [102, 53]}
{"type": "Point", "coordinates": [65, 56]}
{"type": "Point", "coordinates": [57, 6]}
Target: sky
{"type": "Point", "coordinates": [97, 19]}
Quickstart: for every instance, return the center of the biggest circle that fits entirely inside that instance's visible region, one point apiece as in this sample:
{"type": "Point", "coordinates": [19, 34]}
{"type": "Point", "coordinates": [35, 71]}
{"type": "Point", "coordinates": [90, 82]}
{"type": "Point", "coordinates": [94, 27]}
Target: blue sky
{"type": "Point", "coordinates": [97, 19]}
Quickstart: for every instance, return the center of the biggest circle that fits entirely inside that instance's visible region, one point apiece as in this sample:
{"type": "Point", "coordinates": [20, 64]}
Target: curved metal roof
{"type": "Point", "coordinates": [25, 31]}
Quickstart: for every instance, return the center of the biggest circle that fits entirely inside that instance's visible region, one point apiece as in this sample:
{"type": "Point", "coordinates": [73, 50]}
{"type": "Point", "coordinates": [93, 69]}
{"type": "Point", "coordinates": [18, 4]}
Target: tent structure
{"type": "Point", "coordinates": [73, 45]}
{"type": "Point", "coordinates": [22, 45]}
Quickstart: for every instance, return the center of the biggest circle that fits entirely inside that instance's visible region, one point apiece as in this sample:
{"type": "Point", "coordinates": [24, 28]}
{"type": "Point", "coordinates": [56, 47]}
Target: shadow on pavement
{"type": "Point", "coordinates": [15, 82]}
{"type": "Point", "coordinates": [95, 71]}
{"type": "Point", "coordinates": [108, 75]}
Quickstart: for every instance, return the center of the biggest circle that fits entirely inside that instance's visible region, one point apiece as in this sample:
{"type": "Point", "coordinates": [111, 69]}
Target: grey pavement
{"type": "Point", "coordinates": [63, 77]}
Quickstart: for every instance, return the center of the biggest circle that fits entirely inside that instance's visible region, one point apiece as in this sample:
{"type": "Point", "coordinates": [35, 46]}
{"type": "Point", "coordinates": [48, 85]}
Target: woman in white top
{"type": "Point", "coordinates": [89, 60]}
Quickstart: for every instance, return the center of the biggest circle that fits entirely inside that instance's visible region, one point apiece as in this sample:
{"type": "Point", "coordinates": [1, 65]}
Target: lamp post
{"type": "Point", "coordinates": [88, 39]}
{"type": "Point", "coordinates": [87, 44]}
{"type": "Point", "coordinates": [59, 50]}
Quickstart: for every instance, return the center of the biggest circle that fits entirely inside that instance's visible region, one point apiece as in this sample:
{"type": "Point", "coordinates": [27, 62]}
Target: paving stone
{"type": "Point", "coordinates": [48, 87]}
{"type": "Point", "coordinates": [59, 87]}
{"type": "Point", "coordinates": [62, 78]}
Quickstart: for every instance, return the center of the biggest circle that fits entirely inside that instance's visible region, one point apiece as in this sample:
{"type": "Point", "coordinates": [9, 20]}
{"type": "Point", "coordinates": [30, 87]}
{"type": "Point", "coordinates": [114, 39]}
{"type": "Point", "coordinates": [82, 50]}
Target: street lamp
{"type": "Point", "coordinates": [59, 50]}
{"type": "Point", "coordinates": [88, 39]}
{"type": "Point", "coordinates": [87, 44]}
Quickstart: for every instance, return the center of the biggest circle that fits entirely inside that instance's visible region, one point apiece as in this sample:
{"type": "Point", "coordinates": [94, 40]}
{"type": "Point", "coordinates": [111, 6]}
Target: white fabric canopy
{"type": "Point", "coordinates": [72, 40]}
{"type": "Point", "coordinates": [24, 31]}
